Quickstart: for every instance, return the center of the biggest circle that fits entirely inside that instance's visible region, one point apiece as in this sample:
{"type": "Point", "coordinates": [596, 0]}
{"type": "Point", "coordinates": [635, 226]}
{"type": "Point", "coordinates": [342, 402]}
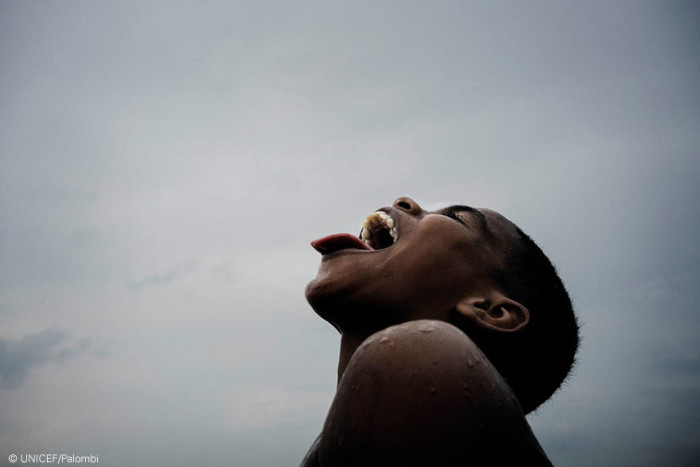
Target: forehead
{"type": "Point", "coordinates": [495, 218]}
{"type": "Point", "coordinates": [501, 228]}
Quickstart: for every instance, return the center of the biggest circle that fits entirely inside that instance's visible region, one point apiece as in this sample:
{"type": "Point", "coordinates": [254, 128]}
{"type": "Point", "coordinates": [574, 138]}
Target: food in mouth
{"type": "Point", "coordinates": [378, 232]}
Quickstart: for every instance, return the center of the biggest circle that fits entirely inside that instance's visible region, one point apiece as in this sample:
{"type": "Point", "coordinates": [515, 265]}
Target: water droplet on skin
{"type": "Point", "coordinates": [470, 362]}
{"type": "Point", "coordinates": [384, 340]}
{"type": "Point", "coordinates": [426, 328]}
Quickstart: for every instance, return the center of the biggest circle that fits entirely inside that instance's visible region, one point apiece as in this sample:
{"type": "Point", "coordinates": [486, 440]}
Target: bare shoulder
{"type": "Point", "coordinates": [422, 393]}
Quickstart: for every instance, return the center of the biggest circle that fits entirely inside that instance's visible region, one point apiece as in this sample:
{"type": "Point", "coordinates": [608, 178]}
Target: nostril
{"type": "Point", "coordinates": [407, 205]}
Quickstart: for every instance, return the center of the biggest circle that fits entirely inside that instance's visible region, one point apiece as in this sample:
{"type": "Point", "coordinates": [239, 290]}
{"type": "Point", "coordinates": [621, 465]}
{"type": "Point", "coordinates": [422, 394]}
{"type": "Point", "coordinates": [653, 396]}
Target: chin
{"type": "Point", "coordinates": [332, 290]}
{"type": "Point", "coordinates": [348, 312]}
{"type": "Point", "coordinates": [323, 298]}
{"type": "Point", "coordinates": [327, 299]}
{"type": "Point", "coordinates": [320, 288]}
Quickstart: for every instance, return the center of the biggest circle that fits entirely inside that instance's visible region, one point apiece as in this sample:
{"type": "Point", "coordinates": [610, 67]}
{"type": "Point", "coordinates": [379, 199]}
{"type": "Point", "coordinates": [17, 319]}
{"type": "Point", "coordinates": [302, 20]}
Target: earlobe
{"type": "Point", "coordinates": [498, 313]}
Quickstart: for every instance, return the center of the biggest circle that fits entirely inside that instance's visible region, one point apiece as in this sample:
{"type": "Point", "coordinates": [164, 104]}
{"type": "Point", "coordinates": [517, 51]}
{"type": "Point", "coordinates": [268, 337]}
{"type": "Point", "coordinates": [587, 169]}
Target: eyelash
{"type": "Point", "coordinates": [453, 215]}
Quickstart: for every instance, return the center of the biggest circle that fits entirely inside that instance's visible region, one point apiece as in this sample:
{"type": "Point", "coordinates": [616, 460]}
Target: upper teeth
{"type": "Point", "coordinates": [378, 218]}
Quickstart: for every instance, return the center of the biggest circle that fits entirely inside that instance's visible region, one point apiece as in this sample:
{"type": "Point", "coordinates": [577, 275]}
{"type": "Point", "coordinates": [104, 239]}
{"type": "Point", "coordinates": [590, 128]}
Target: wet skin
{"type": "Point", "coordinates": [406, 393]}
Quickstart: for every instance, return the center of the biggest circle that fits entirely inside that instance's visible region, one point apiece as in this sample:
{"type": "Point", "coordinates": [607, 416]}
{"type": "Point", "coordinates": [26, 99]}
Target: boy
{"type": "Point", "coordinates": [454, 325]}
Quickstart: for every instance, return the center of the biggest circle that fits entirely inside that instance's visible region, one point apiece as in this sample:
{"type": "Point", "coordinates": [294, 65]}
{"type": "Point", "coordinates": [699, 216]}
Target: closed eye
{"type": "Point", "coordinates": [453, 211]}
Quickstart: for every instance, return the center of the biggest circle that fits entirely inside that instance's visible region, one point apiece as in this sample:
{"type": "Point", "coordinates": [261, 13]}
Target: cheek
{"type": "Point", "coordinates": [442, 257]}
{"type": "Point", "coordinates": [433, 275]}
{"type": "Point", "coordinates": [442, 246]}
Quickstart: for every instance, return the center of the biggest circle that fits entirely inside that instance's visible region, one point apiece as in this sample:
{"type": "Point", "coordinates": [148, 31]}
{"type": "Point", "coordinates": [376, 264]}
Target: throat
{"type": "Point", "coordinates": [348, 345]}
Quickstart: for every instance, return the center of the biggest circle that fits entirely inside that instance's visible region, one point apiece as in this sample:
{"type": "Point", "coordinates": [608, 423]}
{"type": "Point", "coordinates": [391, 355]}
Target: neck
{"type": "Point", "coordinates": [348, 345]}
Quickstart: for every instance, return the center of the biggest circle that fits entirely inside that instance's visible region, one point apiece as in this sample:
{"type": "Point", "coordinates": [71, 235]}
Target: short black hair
{"type": "Point", "coordinates": [536, 360]}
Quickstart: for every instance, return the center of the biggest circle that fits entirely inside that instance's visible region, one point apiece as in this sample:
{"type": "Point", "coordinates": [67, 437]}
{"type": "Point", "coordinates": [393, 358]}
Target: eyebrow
{"type": "Point", "coordinates": [453, 210]}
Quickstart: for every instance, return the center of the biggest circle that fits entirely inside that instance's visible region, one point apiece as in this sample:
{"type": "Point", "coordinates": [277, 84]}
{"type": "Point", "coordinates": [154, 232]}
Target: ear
{"type": "Point", "coordinates": [495, 311]}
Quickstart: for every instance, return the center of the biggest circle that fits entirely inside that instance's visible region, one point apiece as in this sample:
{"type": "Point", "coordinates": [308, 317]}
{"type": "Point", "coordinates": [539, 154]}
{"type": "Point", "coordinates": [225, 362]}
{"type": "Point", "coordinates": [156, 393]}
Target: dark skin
{"type": "Point", "coordinates": [414, 390]}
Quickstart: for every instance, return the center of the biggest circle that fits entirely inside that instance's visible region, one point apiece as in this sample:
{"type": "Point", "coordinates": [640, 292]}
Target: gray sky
{"type": "Point", "coordinates": [164, 165]}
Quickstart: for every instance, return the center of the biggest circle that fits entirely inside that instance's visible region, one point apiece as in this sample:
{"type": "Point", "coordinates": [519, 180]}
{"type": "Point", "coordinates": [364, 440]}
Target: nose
{"type": "Point", "coordinates": [408, 205]}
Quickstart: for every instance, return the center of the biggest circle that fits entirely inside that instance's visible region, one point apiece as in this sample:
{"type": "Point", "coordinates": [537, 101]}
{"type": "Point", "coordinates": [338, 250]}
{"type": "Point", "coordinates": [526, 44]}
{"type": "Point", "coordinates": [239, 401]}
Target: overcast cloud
{"type": "Point", "coordinates": [164, 165]}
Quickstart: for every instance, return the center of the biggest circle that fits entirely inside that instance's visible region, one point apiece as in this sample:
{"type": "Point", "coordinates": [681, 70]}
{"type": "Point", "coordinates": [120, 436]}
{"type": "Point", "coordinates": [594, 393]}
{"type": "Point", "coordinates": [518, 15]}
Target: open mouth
{"type": "Point", "coordinates": [379, 230]}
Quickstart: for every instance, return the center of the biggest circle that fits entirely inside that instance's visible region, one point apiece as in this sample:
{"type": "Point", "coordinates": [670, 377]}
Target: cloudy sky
{"type": "Point", "coordinates": [164, 165]}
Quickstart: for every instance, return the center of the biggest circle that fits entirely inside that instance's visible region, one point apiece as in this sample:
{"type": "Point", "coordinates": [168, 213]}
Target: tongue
{"type": "Point", "coordinates": [337, 242]}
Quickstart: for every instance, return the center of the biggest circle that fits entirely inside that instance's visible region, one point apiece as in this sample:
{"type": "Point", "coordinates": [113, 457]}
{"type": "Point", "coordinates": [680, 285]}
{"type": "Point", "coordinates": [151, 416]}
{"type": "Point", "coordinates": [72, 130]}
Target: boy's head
{"type": "Point", "coordinates": [536, 359]}
{"type": "Point", "coordinates": [470, 267]}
